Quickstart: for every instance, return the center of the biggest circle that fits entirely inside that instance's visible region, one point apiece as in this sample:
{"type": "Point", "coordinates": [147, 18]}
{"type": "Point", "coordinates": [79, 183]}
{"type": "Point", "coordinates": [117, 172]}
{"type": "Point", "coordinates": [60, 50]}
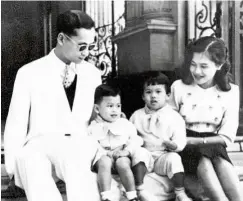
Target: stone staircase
{"type": "Point", "coordinates": [10, 193]}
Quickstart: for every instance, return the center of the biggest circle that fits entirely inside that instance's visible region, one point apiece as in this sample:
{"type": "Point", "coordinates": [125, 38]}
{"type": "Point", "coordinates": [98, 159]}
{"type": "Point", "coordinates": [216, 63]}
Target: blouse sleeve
{"type": "Point", "coordinates": [230, 121]}
{"type": "Point", "coordinates": [179, 133]}
{"type": "Point", "coordinates": [174, 99]}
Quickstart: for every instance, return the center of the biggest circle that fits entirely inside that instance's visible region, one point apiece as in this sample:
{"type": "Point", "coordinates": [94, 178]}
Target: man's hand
{"type": "Point", "coordinates": [170, 146]}
{"type": "Point", "coordinates": [121, 153]}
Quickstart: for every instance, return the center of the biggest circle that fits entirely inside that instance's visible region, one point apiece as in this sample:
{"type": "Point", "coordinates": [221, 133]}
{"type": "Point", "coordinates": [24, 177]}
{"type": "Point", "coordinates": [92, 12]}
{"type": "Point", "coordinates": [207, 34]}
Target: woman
{"type": "Point", "coordinates": [209, 104]}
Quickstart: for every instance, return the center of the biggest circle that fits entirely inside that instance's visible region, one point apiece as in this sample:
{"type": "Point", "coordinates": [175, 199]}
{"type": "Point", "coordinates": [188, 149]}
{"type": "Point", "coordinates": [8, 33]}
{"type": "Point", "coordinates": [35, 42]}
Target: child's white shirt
{"type": "Point", "coordinates": [115, 134]}
{"type": "Point", "coordinates": [164, 124]}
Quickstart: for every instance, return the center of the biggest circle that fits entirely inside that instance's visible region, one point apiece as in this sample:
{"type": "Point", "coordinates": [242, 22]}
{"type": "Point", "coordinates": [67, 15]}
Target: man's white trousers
{"type": "Point", "coordinates": [71, 159]}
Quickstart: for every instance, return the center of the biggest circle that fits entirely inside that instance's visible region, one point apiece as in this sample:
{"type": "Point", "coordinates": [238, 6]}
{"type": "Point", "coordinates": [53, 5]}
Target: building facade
{"type": "Point", "coordinates": [132, 36]}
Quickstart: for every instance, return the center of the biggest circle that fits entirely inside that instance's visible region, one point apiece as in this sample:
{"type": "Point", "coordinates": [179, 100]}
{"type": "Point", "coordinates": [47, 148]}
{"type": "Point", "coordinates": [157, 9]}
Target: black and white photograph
{"type": "Point", "coordinates": [117, 100]}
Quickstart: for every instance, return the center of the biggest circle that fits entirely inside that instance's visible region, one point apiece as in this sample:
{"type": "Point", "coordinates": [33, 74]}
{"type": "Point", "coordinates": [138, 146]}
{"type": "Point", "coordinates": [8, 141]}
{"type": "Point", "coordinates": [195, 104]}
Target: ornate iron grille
{"type": "Point", "coordinates": [207, 19]}
{"type": "Point", "coordinates": [104, 56]}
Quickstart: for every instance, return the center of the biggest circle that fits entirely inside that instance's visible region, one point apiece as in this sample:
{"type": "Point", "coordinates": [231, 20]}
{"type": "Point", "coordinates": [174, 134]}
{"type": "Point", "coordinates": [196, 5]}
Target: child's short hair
{"type": "Point", "coordinates": [156, 77]}
{"type": "Point", "coordinates": [105, 90]}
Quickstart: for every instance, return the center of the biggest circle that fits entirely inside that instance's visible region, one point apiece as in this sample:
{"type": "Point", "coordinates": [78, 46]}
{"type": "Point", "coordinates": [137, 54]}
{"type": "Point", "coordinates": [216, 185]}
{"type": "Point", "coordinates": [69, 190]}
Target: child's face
{"type": "Point", "coordinates": [109, 108]}
{"type": "Point", "coordinates": [155, 96]}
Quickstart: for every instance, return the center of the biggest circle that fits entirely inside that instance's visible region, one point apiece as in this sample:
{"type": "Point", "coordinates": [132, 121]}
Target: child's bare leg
{"type": "Point", "coordinates": [139, 171]}
{"type": "Point", "coordinates": [104, 177]}
{"type": "Point", "coordinates": [178, 180]}
{"type": "Point", "coordinates": [210, 181]}
{"type": "Point", "coordinates": [123, 166]}
{"type": "Point", "coordinates": [228, 179]}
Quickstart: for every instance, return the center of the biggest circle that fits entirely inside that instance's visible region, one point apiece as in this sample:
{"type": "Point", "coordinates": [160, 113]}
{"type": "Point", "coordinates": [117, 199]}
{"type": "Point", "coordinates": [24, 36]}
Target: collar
{"type": "Point", "coordinates": [57, 64]}
{"type": "Point", "coordinates": [115, 128]}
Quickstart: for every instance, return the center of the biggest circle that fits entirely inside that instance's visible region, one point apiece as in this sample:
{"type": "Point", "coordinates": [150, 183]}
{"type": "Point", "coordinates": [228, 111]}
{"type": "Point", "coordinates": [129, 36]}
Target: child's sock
{"type": "Point", "coordinates": [144, 195]}
{"type": "Point", "coordinates": [106, 195]}
{"type": "Point", "coordinates": [179, 190]}
{"type": "Point", "coordinates": [181, 195]}
{"type": "Point", "coordinates": [131, 195]}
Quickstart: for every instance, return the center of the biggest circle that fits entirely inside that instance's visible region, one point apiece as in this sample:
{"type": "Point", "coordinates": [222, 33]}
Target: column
{"type": "Point", "coordinates": [154, 36]}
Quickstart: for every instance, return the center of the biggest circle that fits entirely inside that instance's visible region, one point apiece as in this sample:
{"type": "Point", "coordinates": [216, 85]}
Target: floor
{"type": "Point", "coordinates": [234, 153]}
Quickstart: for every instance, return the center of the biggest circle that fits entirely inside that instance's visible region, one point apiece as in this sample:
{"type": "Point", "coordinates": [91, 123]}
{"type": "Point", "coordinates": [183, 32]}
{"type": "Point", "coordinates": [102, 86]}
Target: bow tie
{"type": "Point", "coordinates": [151, 121]}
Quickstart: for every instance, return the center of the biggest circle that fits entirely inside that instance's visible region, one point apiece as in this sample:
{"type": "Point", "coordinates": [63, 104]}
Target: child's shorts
{"type": "Point", "coordinates": [138, 155]}
{"type": "Point", "coordinates": [168, 164]}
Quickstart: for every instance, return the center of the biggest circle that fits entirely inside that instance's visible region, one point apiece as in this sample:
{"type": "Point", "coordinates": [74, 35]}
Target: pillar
{"type": "Point", "coordinates": [154, 36]}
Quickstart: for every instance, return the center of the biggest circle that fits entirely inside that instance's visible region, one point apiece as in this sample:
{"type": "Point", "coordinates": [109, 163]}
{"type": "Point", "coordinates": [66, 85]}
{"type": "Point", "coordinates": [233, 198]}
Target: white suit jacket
{"type": "Point", "coordinates": [39, 98]}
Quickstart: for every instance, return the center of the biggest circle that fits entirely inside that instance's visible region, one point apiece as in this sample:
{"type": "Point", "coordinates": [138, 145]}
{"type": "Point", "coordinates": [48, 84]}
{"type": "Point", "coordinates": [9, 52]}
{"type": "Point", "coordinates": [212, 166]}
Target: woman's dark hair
{"type": "Point", "coordinates": [105, 90]}
{"type": "Point", "coordinates": [70, 20]}
{"type": "Point", "coordinates": [156, 77]}
{"type": "Point", "coordinates": [217, 52]}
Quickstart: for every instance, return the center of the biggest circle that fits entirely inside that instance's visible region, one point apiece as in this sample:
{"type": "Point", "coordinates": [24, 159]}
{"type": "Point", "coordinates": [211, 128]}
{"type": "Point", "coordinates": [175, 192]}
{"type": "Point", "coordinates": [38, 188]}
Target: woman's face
{"type": "Point", "coordinates": [203, 70]}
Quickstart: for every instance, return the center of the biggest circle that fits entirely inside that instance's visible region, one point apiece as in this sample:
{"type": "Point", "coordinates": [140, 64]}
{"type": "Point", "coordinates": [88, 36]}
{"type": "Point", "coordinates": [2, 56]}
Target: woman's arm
{"type": "Point", "coordinates": [204, 141]}
{"type": "Point", "coordinates": [174, 98]}
{"type": "Point", "coordinates": [230, 121]}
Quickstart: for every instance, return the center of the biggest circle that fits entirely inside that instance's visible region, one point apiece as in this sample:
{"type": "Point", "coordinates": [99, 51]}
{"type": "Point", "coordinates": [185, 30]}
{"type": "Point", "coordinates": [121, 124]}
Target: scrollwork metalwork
{"type": "Point", "coordinates": [102, 55]}
{"type": "Point", "coordinates": [205, 21]}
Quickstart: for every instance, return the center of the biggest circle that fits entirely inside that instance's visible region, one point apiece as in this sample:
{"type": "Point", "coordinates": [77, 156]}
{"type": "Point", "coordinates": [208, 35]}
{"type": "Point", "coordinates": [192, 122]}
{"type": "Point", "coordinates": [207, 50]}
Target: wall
{"type": "Point", "coordinates": [21, 40]}
{"type": "Point", "coordinates": [28, 30]}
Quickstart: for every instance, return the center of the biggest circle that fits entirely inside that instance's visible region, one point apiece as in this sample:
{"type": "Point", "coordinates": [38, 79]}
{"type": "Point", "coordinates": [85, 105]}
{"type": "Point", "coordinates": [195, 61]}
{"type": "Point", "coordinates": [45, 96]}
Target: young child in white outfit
{"type": "Point", "coordinates": [163, 131]}
{"type": "Point", "coordinates": [121, 150]}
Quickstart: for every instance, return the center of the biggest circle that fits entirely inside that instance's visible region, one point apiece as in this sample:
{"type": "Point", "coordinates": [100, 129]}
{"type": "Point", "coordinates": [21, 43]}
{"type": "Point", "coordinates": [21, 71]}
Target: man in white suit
{"type": "Point", "coordinates": [47, 121]}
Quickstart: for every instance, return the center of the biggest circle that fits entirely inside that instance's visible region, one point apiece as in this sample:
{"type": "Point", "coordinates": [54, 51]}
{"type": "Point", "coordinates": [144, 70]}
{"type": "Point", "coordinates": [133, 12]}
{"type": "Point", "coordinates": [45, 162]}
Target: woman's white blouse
{"type": "Point", "coordinates": [207, 110]}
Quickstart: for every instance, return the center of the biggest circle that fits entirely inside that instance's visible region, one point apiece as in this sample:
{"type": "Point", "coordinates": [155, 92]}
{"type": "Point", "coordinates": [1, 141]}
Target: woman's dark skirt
{"type": "Point", "coordinates": [191, 155]}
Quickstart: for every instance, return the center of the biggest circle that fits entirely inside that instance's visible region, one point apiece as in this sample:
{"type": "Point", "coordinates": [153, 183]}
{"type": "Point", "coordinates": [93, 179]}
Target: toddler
{"type": "Point", "coordinates": [163, 131]}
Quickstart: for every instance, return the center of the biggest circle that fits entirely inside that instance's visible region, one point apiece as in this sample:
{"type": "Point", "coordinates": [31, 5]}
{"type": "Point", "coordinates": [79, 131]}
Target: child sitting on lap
{"type": "Point", "coordinates": [121, 150]}
{"type": "Point", "coordinates": [163, 131]}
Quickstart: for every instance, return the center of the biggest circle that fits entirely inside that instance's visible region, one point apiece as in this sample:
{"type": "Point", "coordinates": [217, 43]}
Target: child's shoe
{"type": "Point", "coordinates": [182, 197]}
{"type": "Point", "coordinates": [144, 195]}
